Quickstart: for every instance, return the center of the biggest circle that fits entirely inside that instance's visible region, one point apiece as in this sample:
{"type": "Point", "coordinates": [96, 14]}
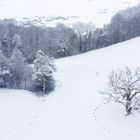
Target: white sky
{"type": "Point", "coordinates": [88, 10]}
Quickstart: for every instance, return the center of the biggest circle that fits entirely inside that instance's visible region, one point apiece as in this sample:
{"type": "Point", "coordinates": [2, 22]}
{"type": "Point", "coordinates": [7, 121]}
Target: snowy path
{"type": "Point", "coordinates": [75, 111]}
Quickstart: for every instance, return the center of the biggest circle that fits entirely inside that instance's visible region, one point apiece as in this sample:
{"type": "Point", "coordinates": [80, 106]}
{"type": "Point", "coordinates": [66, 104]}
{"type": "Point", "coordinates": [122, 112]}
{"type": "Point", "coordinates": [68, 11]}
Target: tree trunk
{"type": "Point", "coordinates": [80, 44]}
{"type": "Point", "coordinates": [44, 88]}
{"type": "Point", "coordinates": [128, 108]}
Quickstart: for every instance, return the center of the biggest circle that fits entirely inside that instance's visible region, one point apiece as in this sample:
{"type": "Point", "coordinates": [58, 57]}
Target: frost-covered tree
{"type": "Point", "coordinates": [4, 71]}
{"type": "Point", "coordinates": [63, 49]}
{"type": "Point", "coordinates": [124, 87]}
{"type": "Point", "coordinates": [16, 41]}
{"type": "Point", "coordinates": [43, 73]}
{"type": "Point", "coordinates": [84, 32]}
{"type": "Point", "coordinates": [18, 68]}
{"type": "Point", "coordinates": [5, 47]}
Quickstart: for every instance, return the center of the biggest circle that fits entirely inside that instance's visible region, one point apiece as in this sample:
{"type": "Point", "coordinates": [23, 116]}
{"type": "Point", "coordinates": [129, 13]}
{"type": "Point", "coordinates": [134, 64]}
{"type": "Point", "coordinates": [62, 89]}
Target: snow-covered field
{"type": "Point", "coordinates": [97, 11]}
{"type": "Point", "coordinates": [75, 110]}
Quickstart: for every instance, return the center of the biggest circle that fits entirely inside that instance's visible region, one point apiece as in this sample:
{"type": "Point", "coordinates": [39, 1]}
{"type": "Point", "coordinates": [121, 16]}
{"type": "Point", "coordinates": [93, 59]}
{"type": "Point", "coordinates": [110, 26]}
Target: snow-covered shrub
{"type": "Point", "coordinates": [43, 73]}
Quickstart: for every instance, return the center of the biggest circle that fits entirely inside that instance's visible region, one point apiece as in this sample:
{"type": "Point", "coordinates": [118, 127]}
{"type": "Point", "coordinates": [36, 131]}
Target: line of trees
{"type": "Point", "coordinates": [16, 73]}
{"type": "Point", "coordinates": [62, 41]}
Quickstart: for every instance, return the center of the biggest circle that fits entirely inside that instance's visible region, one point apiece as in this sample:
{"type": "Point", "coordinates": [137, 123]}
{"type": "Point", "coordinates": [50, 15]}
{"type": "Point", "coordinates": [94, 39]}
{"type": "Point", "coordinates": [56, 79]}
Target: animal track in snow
{"type": "Point", "coordinates": [97, 122]}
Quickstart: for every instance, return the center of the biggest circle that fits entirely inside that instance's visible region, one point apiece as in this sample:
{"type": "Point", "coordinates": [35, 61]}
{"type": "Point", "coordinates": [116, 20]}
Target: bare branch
{"type": "Point", "coordinates": [123, 87]}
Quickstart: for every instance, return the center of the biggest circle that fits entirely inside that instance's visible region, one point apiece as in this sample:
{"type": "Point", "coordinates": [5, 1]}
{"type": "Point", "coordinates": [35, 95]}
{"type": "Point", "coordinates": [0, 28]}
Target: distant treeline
{"type": "Point", "coordinates": [62, 41]}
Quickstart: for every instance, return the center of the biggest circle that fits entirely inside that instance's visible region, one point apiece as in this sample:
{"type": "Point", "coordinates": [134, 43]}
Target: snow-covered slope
{"type": "Point", "coordinates": [76, 110]}
{"type": "Point", "coordinates": [97, 11]}
{"type": "Point", "coordinates": [50, 21]}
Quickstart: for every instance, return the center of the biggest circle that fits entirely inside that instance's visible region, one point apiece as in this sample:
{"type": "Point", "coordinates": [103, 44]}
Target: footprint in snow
{"type": "Point", "coordinates": [30, 123]}
{"type": "Point", "coordinates": [35, 117]}
{"type": "Point", "coordinates": [43, 100]}
{"type": "Point", "coordinates": [100, 125]}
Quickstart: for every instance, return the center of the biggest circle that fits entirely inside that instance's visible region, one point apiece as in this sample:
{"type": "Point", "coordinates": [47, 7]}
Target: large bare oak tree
{"type": "Point", "coordinates": [124, 87]}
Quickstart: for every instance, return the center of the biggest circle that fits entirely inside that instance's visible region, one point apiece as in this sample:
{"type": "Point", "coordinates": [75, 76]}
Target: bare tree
{"type": "Point", "coordinates": [124, 87]}
{"type": "Point", "coordinates": [84, 32]}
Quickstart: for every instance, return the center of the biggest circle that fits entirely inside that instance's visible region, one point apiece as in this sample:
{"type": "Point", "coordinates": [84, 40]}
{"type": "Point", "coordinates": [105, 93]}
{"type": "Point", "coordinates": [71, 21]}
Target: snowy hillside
{"type": "Point", "coordinates": [49, 21]}
{"type": "Point", "coordinates": [97, 11]}
{"type": "Point", "coordinates": [76, 110]}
